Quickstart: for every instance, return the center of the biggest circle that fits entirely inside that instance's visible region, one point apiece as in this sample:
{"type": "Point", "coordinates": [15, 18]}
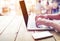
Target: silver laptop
{"type": "Point", "coordinates": [32, 26]}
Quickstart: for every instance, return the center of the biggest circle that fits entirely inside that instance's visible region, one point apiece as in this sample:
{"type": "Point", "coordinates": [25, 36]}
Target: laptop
{"type": "Point", "coordinates": [32, 25]}
{"type": "Point", "coordinates": [30, 20]}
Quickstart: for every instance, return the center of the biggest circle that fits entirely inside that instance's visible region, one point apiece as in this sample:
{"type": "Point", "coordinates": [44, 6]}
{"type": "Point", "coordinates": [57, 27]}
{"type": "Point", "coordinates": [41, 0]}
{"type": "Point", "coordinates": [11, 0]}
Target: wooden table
{"type": "Point", "coordinates": [12, 28]}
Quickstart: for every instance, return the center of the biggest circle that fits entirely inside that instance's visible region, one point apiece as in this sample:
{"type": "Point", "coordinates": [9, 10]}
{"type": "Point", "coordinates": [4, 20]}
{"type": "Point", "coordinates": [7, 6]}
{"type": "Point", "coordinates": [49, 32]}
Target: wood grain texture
{"type": "Point", "coordinates": [10, 32]}
{"type": "Point", "coordinates": [23, 34]}
{"type": "Point", "coordinates": [4, 22]}
{"type": "Point", "coordinates": [16, 30]}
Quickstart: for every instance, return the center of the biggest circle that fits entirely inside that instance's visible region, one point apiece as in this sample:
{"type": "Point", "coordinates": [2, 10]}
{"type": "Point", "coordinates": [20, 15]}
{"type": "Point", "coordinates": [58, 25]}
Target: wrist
{"type": "Point", "coordinates": [49, 23]}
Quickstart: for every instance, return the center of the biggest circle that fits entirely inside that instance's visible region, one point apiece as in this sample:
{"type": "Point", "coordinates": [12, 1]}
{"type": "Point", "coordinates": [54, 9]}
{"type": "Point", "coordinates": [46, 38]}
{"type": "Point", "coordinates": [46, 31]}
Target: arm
{"type": "Point", "coordinates": [49, 16]}
{"type": "Point", "coordinates": [54, 16]}
{"type": "Point", "coordinates": [55, 26]}
{"type": "Point", "coordinates": [46, 22]}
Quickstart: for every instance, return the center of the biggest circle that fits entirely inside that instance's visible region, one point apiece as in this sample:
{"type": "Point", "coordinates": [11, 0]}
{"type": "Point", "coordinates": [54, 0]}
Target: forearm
{"type": "Point", "coordinates": [54, 16]}
{"type": "Point", "coordinates": [55, 26]}
{"type": "Point", "coordinates": [51, 23]}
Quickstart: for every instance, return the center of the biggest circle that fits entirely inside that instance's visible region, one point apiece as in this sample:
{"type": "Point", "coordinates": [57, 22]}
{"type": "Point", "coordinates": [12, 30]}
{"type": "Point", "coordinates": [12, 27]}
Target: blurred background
{"type": "Point", "coordinates": [12, 7]}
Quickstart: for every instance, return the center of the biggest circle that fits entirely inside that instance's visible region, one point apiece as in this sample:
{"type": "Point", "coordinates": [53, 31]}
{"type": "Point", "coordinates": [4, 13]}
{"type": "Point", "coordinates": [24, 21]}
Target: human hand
{"type": "Point", "coordinates": [41, 16]}
{"type": "Point", "coordinates": [43, 21]}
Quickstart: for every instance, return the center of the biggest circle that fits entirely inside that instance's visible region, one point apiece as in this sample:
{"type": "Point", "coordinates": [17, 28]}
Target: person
{"type": "Point", "coordinates": [55, 6]}
{"type": "Point", "coordinates": [48, 20]}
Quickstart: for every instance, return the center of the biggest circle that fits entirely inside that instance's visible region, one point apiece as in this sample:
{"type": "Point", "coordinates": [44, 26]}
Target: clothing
{"type": "Point", "coordinates": [55, 10]}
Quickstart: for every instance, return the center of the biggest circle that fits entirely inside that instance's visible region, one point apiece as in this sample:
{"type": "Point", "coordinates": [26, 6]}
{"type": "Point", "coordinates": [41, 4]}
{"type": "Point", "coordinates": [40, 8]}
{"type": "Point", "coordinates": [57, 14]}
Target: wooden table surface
{"type": "Point", "coordinates": [12, 28]}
